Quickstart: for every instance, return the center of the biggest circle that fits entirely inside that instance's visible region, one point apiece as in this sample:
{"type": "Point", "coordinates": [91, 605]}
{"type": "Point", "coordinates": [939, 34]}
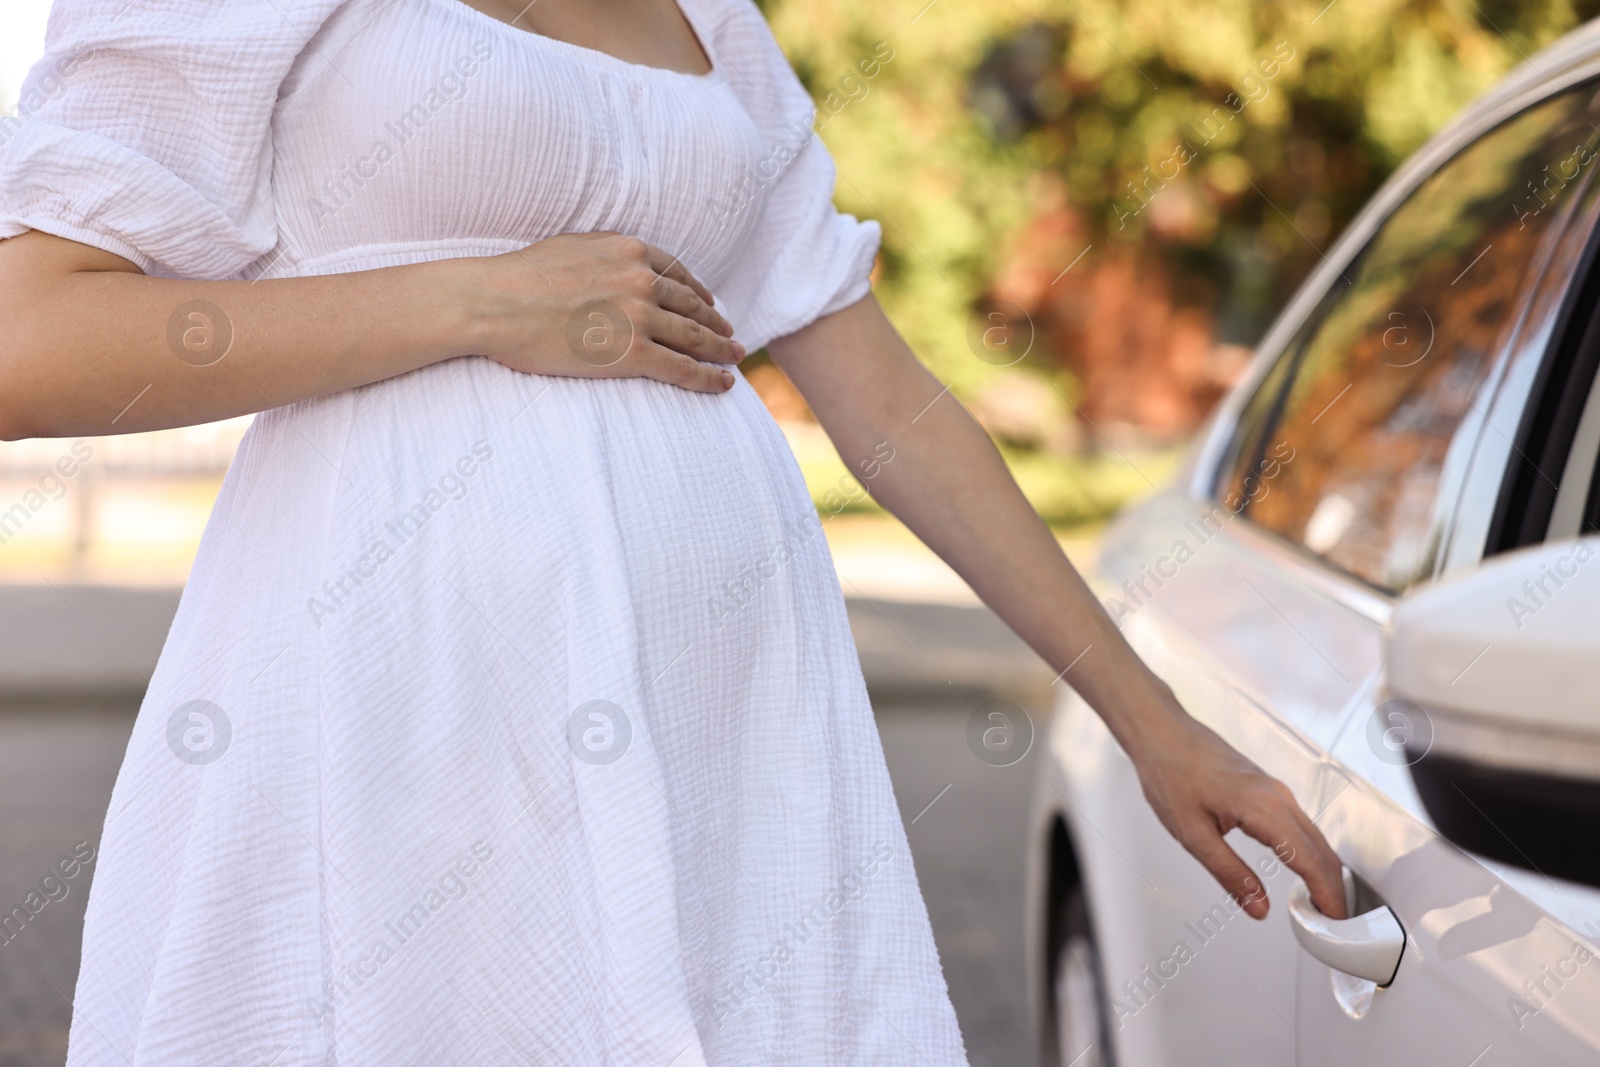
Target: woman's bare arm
{"type": "Point", "coordinates": [948, 483]}
{"type": "Point", "coordinates": [89, 345]}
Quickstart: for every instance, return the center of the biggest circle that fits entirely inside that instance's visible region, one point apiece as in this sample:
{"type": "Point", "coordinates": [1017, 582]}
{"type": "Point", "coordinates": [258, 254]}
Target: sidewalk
{"type": "Point", "coordinates": [919, 629]}
{"type": "Point", "coordinates": [72, 643]}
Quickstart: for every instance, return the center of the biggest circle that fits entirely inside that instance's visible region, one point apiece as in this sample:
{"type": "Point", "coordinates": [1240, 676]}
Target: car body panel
{"type": "Point", "coordinates": [1472, 945]}
{"type": "Point", "coordinates": [1145, 900]}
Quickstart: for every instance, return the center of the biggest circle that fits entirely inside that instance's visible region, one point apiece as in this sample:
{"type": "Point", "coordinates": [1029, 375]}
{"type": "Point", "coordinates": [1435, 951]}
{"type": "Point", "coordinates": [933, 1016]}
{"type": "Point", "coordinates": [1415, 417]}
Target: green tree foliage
{"type": "Point", "coordinates": [1263, 125]}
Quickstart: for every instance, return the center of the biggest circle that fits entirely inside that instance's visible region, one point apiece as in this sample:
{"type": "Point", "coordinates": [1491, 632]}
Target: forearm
{"type": "Point", "coordinates": [949, 484]}
{"type": "Point", "coordinates": [92, 347]}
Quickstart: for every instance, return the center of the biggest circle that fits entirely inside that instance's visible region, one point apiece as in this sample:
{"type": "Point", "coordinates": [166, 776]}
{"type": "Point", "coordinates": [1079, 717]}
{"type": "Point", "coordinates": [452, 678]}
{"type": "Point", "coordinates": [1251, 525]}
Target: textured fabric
{"type": "Point", "coordinates": [505, 719]}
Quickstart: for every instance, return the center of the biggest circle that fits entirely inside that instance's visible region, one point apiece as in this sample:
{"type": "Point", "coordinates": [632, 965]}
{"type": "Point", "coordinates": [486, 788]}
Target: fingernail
{"type": "Point", "coordinates": [727, 379]}
{"type": "Point", "coordinates": [738, 350]}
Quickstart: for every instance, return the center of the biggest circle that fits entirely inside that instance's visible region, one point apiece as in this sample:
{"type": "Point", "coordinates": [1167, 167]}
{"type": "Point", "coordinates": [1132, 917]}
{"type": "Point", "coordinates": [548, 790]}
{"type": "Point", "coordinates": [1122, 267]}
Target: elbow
{"type": "Point", "coordinates": [42, 311]}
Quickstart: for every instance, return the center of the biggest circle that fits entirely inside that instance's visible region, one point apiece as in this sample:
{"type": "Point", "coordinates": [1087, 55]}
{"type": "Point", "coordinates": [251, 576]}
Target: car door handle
{"type": "Point", "coordinates": [1367, 946]}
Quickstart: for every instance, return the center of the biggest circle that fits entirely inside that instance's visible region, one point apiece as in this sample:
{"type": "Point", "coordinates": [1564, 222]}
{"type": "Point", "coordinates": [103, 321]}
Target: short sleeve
{"type": "Point", "coordinates": [145, 129]}
{"type": "Point", "coordinates": [805, 259]}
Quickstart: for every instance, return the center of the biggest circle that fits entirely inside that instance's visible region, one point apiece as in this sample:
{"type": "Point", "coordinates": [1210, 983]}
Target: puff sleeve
{"type": "Point", "coordinates": [805, 259]}
{"type": "Point", "coordinates": [145, 129]}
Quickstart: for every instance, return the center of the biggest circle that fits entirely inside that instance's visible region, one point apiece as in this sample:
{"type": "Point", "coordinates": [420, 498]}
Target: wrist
{"type": "Point", "coordinates": [459, 312]}
{"type": "Point", "coordinates": [1141, 711]}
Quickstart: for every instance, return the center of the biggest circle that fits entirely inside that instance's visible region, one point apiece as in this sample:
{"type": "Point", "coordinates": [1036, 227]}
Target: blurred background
{"type": "Point", "coordinates": [1091, 210]}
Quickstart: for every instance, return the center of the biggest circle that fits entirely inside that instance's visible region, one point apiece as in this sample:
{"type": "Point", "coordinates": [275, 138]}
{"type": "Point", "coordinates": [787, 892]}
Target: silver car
{"type": "Point", "coordinates": [1378, 576]}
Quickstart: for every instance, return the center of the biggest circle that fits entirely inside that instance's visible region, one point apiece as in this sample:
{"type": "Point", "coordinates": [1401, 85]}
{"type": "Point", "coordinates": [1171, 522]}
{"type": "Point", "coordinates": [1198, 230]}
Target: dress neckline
{"type": "Point", "coordinates": [598, 58]}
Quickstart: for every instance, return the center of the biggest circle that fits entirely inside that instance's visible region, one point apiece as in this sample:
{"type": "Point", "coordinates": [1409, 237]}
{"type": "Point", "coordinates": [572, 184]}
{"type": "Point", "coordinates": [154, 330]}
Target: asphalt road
{"type": "Point", "coordinates": [56, 769]}
{"type": "Point", "coordinates": [929, 668]}
{"type": "Point", "coordinates": [966, 823]}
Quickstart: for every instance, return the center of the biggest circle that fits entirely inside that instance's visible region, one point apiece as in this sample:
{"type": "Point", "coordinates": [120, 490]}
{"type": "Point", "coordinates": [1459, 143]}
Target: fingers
{"type": "Point", "coordinates": [1276, 820]}
{"type": "Point", "coordinates": [672, 267]}
{"type": "Point", "coordinates": [688, 324]}
{"type": "Point", "coordinates": [691, 338]}
{"type": "Point", "coordinates": [674, 368]}
{"type": "Point", "coordinates": [1322, 869]}
{"type": "Point", "coordinates": [679, 298]}
{"type": "Point", "coordinates": [626, 309]}
{"type": "Point", "coordinates": [1207, 845]}
{"type": "Point", "coordinates": [1202, 788]}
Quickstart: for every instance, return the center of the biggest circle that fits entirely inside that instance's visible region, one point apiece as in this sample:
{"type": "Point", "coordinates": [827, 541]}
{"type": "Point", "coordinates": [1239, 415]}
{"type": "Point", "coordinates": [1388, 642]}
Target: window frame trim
{"type": "Point", "coordinates": [1575, 333]}
{"type": "Point", "coordinates": [1466, 540]}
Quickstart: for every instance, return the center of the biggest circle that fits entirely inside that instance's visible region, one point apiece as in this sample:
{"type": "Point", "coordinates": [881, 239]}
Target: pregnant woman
{"type": "Point", "coordinates": [510, 714]}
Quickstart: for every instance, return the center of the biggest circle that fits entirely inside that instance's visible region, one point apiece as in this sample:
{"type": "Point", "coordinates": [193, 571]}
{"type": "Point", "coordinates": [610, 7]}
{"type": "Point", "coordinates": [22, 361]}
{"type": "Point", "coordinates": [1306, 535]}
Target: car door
{"type": "Point", "coordinates": [1268, 659]}
{"type": "Point", "coordinates": [1495, 965]}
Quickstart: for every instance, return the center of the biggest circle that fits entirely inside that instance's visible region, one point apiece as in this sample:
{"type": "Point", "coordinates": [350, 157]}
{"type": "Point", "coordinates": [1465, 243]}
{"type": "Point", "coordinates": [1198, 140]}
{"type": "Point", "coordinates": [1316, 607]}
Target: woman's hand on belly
{"type": "Point", "coordinates": [89, 345]}
{"type": "Point", "coordinates": [598, 305]}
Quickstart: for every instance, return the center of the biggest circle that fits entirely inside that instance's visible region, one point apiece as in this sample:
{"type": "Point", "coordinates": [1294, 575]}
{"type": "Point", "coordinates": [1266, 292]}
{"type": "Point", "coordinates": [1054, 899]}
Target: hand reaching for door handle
{"type": "Point", "coordinates": [1201, 788]}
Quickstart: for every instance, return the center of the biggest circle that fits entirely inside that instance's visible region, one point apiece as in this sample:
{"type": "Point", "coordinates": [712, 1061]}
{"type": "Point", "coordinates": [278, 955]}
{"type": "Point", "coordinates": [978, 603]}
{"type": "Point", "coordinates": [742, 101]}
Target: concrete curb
{"type": "Point", "coordinates": [77, 643]}
{"type": "Point", "coordinates": [914, 651]}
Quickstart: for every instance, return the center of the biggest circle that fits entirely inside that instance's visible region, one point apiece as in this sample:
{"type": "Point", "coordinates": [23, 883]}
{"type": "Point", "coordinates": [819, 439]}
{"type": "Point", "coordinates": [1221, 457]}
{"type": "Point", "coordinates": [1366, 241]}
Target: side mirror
{"type": "Point", "coordinates": [1500, 668]}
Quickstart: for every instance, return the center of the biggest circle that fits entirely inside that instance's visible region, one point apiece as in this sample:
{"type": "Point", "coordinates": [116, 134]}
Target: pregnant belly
{"type": "Point", "coordinates": [540, 490]}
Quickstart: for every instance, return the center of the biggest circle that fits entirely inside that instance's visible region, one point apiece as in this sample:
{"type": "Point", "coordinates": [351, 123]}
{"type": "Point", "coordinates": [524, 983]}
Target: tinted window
{"type": "Point", "coordinates": [1340, 449]}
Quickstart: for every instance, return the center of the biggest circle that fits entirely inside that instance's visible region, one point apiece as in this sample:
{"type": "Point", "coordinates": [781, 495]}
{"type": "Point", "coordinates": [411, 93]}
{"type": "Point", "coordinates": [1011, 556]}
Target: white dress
{"type": "Point", "coordinates": [505, 719]}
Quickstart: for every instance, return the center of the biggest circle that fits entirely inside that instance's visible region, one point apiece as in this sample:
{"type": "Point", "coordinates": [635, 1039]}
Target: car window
{"type": "Point", "coordinates": [1341, 447]}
